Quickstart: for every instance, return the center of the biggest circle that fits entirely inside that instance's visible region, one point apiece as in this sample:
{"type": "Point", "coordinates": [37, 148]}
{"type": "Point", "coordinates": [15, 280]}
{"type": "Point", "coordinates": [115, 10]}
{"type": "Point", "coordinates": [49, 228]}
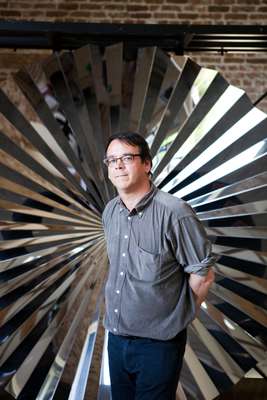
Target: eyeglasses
{"type": "Point", "coordinates": [125, 159]}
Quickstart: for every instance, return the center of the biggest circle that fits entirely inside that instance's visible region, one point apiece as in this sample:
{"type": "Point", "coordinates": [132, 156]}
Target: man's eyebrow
{"type": "Point", "coordinates": [124, 154]}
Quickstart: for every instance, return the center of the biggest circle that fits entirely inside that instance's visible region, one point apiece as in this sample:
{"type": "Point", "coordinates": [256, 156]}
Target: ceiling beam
{"type": "Point", "coordinates": [179, 39]}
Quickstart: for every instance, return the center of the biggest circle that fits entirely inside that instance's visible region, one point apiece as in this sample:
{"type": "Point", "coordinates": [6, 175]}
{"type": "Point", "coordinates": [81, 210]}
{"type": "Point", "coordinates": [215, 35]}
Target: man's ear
{"type": "Point", "coordinates": [148, 165]}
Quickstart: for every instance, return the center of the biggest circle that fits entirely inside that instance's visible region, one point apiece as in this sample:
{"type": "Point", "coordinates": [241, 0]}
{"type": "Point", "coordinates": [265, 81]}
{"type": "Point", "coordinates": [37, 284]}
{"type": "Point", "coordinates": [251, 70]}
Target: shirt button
{"type": "Point", "coordinates": [121, 273]}
{"type": "Point", "coordinates": [116, 310]}
{"type": "Point", "coordinates": [125, 236]}
{"type": "Point", "coordinates": [114, 329]}
{"type": "Point", "coordinates": [117, 291]}
{"type": "Point", "coordinates": [129, 218]}
{"type": "Point", "coordinates": [140, 214]}
{"type": "Point", "coordinates": [123, 254]}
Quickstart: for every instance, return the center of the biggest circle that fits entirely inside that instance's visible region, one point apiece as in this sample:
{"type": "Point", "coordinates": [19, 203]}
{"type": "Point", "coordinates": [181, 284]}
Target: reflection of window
{"type": "Point", "coordinates": [199, 87]}
{"type": "Point", "coordinates": [243, 126]}
{"type": "Point", "coordinates": [226, 168]}
{"type": "Point", "coordinates": [201, 84]}
{"type": "Point", "coordinates": [219, 109]}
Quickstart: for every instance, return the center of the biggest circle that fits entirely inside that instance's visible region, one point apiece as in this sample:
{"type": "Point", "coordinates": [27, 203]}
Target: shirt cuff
{"type": "Point", "coordinates": [201, 268]}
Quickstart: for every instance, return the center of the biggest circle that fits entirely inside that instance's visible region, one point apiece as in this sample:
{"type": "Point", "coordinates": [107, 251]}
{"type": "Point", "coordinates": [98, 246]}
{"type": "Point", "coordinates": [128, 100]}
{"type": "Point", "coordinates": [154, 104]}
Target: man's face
{"type": "Point", "coordinates": [127, 177]}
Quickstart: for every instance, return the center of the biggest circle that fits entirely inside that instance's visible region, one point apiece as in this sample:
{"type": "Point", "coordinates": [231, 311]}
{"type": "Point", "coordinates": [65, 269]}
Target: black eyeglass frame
{"type": "Point", "coordinates": [107, 160]}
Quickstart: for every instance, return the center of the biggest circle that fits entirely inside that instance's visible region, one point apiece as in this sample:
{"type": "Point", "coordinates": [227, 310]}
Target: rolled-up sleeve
{"type": "Point", "coordinates": [193, 248]}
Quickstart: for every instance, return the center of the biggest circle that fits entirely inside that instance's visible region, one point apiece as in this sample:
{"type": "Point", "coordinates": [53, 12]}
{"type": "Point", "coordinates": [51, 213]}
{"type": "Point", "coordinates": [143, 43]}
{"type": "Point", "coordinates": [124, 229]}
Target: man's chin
{"type": "Point", "coordinates": [123, 187]}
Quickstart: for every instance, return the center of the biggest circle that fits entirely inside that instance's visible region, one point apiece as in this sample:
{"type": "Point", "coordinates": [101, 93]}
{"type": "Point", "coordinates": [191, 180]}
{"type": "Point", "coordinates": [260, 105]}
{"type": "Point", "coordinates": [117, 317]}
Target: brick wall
{"type": "Point", "coordinates": [147, 11]}
{"type": "Point", "coordinates": [246, 70]}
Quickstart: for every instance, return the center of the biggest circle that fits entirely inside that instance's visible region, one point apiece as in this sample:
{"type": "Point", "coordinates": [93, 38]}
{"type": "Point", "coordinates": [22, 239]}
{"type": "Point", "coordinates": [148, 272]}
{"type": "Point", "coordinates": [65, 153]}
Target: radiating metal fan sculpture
{"type": "Point", "coordinates": [209, 148]}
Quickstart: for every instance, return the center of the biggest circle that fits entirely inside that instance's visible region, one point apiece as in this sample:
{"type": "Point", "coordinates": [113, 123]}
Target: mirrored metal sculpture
{"type": "Point", "coordinates": [209, 147]}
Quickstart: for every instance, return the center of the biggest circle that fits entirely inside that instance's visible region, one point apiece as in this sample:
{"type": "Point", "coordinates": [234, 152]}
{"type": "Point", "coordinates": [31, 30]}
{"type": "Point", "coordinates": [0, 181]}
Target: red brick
{"type": "Point", "coordinates": [188, 15]}
{"type": "Point", "coordinates": [29, 14]}
{"type": "Point", "coordinates": [163, 21]}
{"type": "Point", "coordinates": [128, 20]}
{"type": "Point", "coordinates": [98, 14]}
{"type": "Point", "coordinates": [136, 8]}
{"type": "Point", "coordinates": [55, 14]}
{"type": "Point", "coordinates": [209, 17]}
{"type": "Point", "coordinates": [105, 1]}
{"type": "Point", "coordinates": [140, 15]}
{"type": "Point", "coordinates": [15, 61]}
{"type": "Point", "coordinates": [116, 7]}
{"type": "Point", "coordinates": [223, 1]}
{"type": "Point", "coordinates": [221, 9]}
{"type": "Point", "coordinates": [120, 15]}
{"type": "Point", "coordinates": [197, 8]}
{"type": "Point", "coordinates": [73, 19]}
{"type": "Point", "coordinates": [243, 8]}
{"type": "Point", "coordinates": [91, 6]}
{"type": "Point", "coordinates": [236, 82]}
{"type": "Point", "coordinates": [10, 13]}
{"type": "Point", "coordinates": [85, 14]}
{"type": "Point", "coordinates": [173, 7]}
{"type": "Point", "coordinates": [175, 2]}
{"type": "Point", "coordinates": [234, 60]}
{"type": "Point", "coordinates": [20, 5]}
{"type": "Point", "coordinates": [165, 15]}
{"type": "Point", "coordinates": [155, 7]}
{"type": "Point", "coordinates": [258, 17]}
{"type": "Point", "coordinates": [45, 5]}
{"type": "Point", "coordinates": [248, 1]}
{"type": "Point", "coordinates": [68, 6]}
{"type": "Point", "coordinates": [238, 17]}
{"type": "Point", "coordinates": [259, 61]}
{"type": "Point", "coordinates": [209, 60]}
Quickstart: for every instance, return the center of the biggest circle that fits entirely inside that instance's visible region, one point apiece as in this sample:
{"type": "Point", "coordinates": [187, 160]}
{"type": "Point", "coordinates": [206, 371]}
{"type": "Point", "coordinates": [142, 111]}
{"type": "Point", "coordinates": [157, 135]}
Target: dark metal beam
{"type": "Point", "coordinates": [176, 38]}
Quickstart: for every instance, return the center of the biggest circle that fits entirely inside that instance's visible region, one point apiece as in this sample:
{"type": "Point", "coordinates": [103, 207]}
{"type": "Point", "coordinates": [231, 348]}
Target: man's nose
{"type": "Point", "coordinates": [119, 163]}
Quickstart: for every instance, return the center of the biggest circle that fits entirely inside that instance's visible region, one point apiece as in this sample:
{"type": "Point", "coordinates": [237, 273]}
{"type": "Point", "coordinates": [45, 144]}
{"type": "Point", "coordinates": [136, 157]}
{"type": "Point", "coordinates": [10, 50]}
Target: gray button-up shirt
{"type": "Point", "coordinates": [152, 250]}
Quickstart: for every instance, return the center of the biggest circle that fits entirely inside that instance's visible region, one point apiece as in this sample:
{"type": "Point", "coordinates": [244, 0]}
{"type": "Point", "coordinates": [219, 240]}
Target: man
{"type": "Point", "coordinates": [159, 274]}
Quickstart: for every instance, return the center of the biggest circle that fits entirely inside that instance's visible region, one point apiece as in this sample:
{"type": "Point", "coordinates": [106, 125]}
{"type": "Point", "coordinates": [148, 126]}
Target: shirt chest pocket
{"type": "Point", "coordinates": [147, 266]}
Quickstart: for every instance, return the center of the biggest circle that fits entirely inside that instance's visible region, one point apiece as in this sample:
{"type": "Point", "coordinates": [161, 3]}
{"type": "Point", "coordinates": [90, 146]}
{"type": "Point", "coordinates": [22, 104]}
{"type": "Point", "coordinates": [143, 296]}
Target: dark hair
{"type": "Point", "coordinates": [134, 139]}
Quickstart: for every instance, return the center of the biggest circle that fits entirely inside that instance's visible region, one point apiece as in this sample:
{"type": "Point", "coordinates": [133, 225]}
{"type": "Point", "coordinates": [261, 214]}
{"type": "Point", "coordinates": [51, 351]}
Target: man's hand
{"type": "Point", "coordinates": [200, 286]}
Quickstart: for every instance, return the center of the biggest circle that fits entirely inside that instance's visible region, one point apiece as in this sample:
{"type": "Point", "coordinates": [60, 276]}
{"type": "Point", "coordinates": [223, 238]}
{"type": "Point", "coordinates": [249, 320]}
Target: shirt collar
{"type": "Point", "coordinates": [143, 203]}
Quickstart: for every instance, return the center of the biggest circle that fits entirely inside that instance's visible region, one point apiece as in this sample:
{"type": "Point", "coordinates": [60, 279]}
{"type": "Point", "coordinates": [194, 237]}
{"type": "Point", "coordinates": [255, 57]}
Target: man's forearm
{"type": "Point", "coordinates": [200, 285]}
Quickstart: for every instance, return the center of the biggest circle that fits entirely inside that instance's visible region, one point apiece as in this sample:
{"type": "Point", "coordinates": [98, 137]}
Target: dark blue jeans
{"type": "Point", "coordinates": [145, 369]}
